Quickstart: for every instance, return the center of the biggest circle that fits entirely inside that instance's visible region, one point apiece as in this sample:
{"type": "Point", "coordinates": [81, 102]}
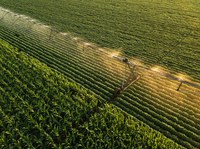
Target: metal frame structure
{"type": "Point", "coordinates": [167, 75]}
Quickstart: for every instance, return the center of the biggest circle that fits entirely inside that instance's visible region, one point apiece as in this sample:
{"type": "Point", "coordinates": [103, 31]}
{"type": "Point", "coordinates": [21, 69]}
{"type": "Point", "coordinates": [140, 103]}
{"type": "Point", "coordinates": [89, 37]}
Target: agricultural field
{"type": "Point", "coordinates": [145, 29]}
{"type": "Point", "coordinates": [40, 108]}
{"type": "Point", "coordinates": [81, 38]}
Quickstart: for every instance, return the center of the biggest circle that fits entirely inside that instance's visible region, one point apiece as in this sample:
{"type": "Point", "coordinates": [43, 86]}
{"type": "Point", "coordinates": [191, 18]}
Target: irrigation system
{"type": "Point", "coordinates": [133, 67]}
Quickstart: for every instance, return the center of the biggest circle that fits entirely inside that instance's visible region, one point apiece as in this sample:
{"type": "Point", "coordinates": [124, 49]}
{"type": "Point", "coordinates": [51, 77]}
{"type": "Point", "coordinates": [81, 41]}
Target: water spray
{"type": "Point", "coordinates": [15, 21]}
{"type": "Point", "coordinates": [85, 45]}
{"type": "Point", "coordinates": [4, 16]}
{"type": "Point", "coordinates": [180, 78]}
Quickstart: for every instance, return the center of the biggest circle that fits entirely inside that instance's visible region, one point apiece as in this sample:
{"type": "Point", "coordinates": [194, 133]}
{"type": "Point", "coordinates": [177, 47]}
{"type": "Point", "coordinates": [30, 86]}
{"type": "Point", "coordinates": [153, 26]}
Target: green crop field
{"type": "Point", "coordinates": [80, 38]}
{"type": "Point", "coordinates": [40, 108]}
{"type": "Point", "coordinates": [144, 29]}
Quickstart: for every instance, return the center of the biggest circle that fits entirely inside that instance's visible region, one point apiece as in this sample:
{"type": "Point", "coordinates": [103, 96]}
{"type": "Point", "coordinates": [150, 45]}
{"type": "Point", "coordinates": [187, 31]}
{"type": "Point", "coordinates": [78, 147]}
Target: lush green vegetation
{"type": "Point", "coordinates": [40, 108]}
{"type": "Point", "coordinates": [143, 29]}
{"type": "Point", "coordinates": [152, 99]}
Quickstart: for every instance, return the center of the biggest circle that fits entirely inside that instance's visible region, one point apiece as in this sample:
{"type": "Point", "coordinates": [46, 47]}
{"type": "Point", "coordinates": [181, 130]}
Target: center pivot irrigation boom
{"type": "Point", "coordinates": [133, 77]}
{"type": "Point", "coordinates": [132, 65]}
